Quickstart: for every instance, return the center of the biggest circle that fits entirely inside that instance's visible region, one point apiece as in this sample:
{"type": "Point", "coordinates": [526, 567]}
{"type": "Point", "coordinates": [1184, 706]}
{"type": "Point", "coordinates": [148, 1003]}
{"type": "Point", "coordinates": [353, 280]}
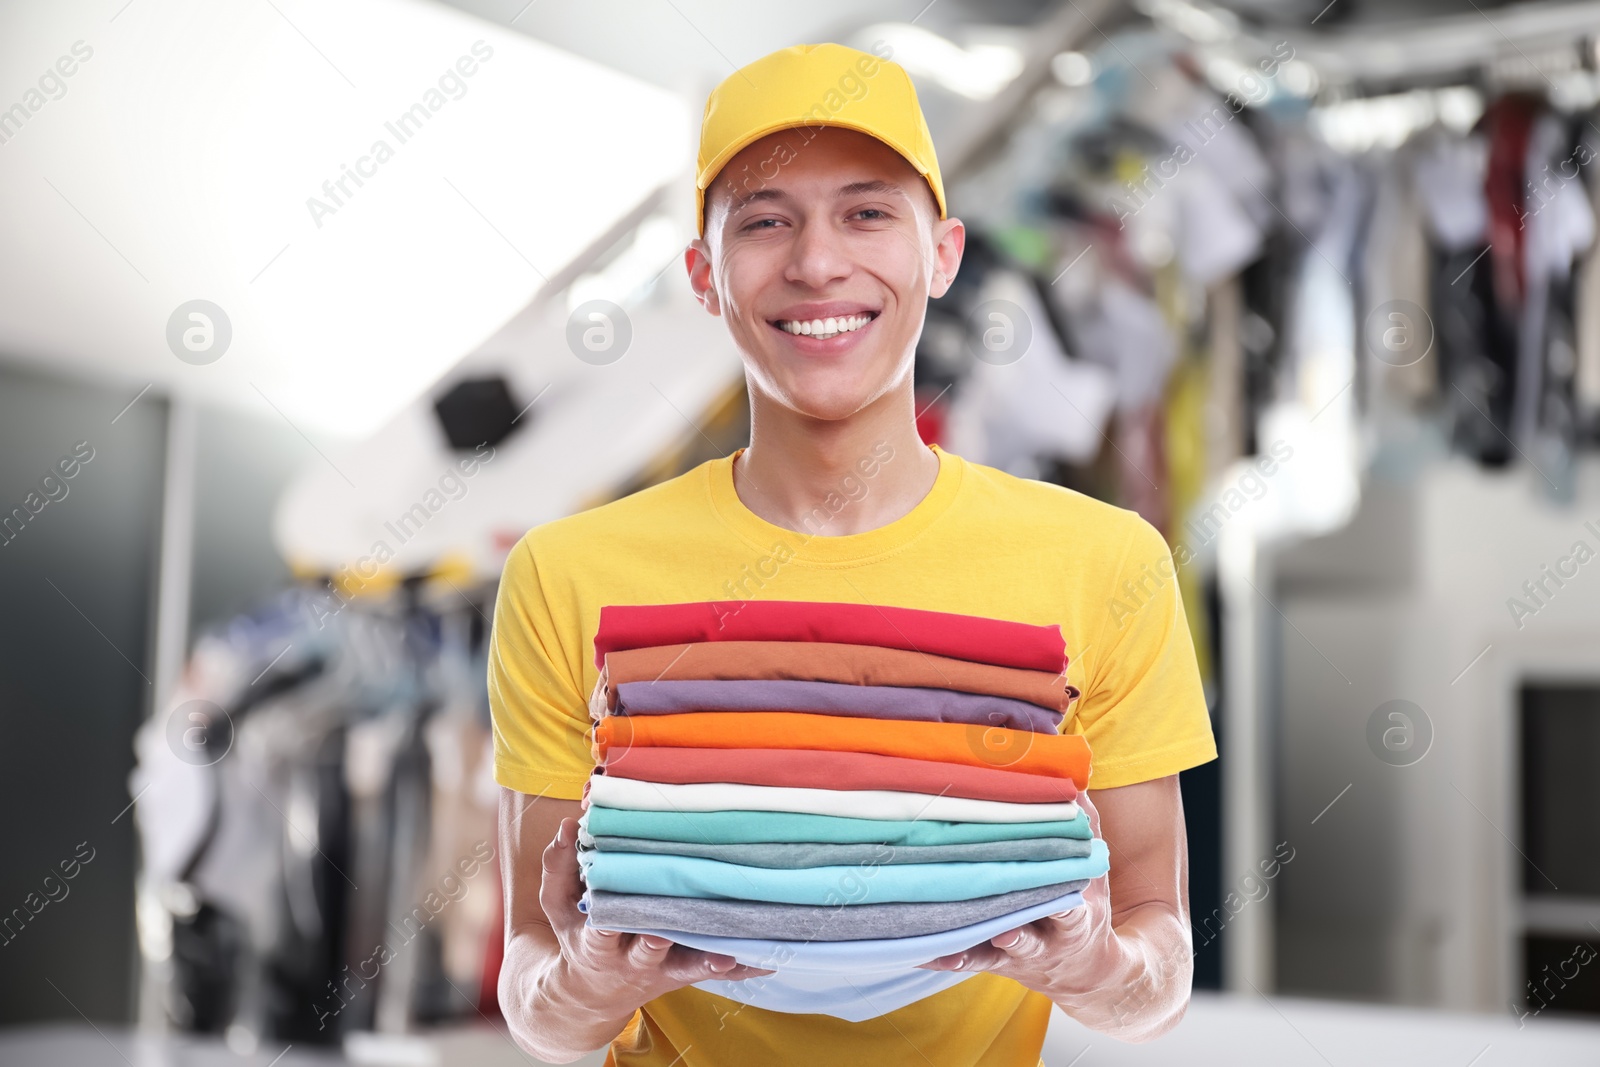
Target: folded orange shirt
{"type": "Point", "coordinates": [1022, 751]}
{"type": "Point", "coordinates": [821, 661]}
{"type": "Point", "coordinates": [818, 769]}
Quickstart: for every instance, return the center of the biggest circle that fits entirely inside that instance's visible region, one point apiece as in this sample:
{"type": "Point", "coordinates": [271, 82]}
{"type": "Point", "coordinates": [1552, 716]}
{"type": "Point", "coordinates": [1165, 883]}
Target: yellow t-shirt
{"type": "Point", "coordinates": [982, 542]}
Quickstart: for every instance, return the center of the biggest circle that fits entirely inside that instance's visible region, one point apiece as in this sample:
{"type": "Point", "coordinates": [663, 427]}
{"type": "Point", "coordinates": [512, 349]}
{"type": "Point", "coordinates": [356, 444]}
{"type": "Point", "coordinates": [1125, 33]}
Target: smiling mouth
{"type": "Point", "coordinates": [822, 329]}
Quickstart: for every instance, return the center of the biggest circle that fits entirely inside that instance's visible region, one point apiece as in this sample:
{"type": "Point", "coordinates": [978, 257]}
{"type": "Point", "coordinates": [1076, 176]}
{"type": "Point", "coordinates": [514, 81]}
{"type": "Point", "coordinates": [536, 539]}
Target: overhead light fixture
{"type": "Point", "coordinates": [1386, 121]}
{"type": "Point", "coordinates": [657, 242]}
{"type": "Point", "coordinates": [1206, 25]}
{"type": "Point", "coordinates": [1299, 78]}
{"type": "Point", "coordinates": [977, 72]}
{"type": "Point", "coordinates": [1072, 69]}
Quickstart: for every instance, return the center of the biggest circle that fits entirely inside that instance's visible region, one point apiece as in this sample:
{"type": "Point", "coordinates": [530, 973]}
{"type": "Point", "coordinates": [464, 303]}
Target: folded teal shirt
{"type": "Point", "coordinates": [691, 876]}
{"type": "Point", "coordinates": [790, 854]}
{"type": "Point", "coordinates": [734, 827]}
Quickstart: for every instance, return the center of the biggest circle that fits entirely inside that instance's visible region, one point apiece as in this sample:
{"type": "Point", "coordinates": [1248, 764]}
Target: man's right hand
{"type": "Point", "coordinates": [609, 971]}
{"type": "Point", "coordinates": [567, 988]}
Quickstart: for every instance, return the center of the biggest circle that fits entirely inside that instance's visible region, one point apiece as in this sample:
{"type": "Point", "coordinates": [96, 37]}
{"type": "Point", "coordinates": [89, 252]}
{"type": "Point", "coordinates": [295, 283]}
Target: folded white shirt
{"type": "Point", "coordinates": [613, 792]}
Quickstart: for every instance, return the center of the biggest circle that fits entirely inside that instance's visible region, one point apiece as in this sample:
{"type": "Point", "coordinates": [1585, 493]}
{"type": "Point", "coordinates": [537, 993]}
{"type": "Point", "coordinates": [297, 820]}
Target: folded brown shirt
{"type": "Point", "coordinates": [826, 662]}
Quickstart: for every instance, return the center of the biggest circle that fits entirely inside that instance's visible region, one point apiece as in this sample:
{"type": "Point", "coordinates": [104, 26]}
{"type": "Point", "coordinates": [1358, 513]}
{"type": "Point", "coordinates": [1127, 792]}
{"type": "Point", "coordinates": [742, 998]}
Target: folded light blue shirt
{"type": "Point", "coordinates": [852, 980]}
{"type": "Point", "coordinates": [693, 876]}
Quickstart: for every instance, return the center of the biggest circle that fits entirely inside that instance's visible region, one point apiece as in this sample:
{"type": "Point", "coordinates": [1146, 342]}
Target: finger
{"type": "Point", "coordinates": [696, 966]}
{"type": "Point", "coordinates": [560, 888]}
{"type": "Point", "coordinates": [1022, 944]}
{"type": "Point", "coordinates": [738, 974]}
{"type": "Point", "coordinates": [648, 952]}
{"type": "Point", "coordinates": [953, 962]}
{"type": "Point", "coordinates": [1087, 805]}
{"type": "Point", "coordinates": [978, 958]}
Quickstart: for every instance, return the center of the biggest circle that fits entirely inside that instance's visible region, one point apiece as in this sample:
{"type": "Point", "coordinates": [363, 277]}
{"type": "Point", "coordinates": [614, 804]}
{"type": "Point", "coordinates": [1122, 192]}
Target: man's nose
{"type": "Point", "coordinates": [819, 256]}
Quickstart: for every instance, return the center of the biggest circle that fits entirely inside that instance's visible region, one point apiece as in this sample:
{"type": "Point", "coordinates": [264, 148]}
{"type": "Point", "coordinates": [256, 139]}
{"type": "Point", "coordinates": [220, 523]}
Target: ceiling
{"type": "Point", "coordinates": [185, 159]}
{"type": "Point", "coordinates": [1339, 13]}
{"type": "Point", "coordinates": [690, 45]}
{"type": "Point", "coordinates": [204, 151]}
{"type": "Point", "coordinates": [195, 154]}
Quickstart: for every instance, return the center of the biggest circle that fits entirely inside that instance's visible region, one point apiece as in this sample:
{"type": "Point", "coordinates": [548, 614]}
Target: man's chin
{"type": "Point", "coordinates": [828, 405]}
{"type": "Point", "coordinates": [818, 390]}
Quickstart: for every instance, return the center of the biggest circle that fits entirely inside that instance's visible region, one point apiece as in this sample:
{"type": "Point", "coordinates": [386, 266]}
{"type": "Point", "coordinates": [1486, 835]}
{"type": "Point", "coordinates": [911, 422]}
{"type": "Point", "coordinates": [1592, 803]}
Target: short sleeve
{"type": "Point", "coordinates": [1143, 709]}
{"type": "Point", "coordinates": [540, 715]}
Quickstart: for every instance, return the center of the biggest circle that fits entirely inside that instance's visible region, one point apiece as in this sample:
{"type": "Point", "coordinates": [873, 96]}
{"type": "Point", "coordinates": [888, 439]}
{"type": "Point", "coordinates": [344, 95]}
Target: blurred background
{"type": "Point", "coordinates": [308, 311]}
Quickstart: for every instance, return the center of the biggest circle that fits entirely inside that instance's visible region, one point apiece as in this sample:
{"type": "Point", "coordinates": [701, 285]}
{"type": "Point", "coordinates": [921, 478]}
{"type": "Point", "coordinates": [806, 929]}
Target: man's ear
{"type": "Point", "coordinates": [950, 240]}
{"type": "Point", "coordinates": [697, 261]}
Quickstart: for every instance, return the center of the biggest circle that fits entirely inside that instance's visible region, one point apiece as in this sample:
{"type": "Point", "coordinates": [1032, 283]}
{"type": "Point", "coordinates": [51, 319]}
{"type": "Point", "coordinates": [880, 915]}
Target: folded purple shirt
{"type": "Point", "coordinates": [834, 698]}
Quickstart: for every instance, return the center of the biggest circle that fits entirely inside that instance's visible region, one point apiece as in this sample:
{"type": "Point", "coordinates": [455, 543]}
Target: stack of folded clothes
{"type": "Point", "coordinates": [838, 792]}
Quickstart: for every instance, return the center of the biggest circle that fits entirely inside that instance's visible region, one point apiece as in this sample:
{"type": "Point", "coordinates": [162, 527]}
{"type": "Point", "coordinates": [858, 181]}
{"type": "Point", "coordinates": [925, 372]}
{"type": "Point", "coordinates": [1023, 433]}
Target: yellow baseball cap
{"type": "Point", "coordinates": [813, 85]}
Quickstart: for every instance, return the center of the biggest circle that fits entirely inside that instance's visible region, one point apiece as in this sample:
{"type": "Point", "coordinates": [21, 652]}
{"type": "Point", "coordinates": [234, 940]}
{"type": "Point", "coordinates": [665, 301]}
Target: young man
{"type": "Point", "coordinates": [824, 233]}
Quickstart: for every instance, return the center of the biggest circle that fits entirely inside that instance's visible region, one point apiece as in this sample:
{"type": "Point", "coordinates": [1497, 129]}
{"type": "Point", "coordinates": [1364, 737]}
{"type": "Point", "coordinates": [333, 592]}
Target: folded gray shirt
{"type": "Point", "coordinates": [794, 855]}
{"type": "Point", "coordinates": [806, 922]}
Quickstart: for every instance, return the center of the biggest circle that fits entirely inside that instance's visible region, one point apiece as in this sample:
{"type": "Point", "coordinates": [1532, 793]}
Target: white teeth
{"type": "Point", "coordinates": [825, 327]}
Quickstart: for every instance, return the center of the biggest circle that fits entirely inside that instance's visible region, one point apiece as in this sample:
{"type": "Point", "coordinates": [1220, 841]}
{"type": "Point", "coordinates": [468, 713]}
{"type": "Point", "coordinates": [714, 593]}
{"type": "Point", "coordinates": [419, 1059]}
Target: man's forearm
{"type": "Point", "coordinates": [547, 1018]}
{"type": "Point", "coordinates": [1149, 972]}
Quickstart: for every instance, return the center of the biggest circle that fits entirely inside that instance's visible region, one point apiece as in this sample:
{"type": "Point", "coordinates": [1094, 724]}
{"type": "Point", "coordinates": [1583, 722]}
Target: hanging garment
{"type": "Point", "coordinates": [1586, 299]}
{"type": "Point", "coordinates": [1395, 266]}
{"type": "Point", "coordinates": [1188, 457]}
{"type": "Point", "coordinates": [1142, 479]}
{"type": "Point", "coordinates": [734, 827]}
{"type": "Point", "coordinates": [1225, 424]}
{"type": "Point", "coordinates": [1321, 341]}
{"type": "Point", "coordinates": [1448, 174]}
{"type": "Point", "coordinates": [910, 703]}
{"type": "Point", "coordinates": [1216, 236]}
{"type": "Point", "coordinates": [1559, 226]}
{"type": "Point", "coordinates": [828, 662]}
{"type": "Point", "coordinates": [1450, 179]}
{"type": "Point", "coordinates": [1127, 334]}
{"type": "Point", "coordinates": [970, 637]}
{"type": "Point", "coordinates": [1030, 402]}
{"type": "Point", "coordinates": [464, 821]}
{"type": "Point", "coordinates": [1019, 751]}
{"type": "Point", "coordinates": [838, 770]}
{"type": "Point", "coordinates": [1476, 348]}
{"type": "Point", "coordinates": [1555, 227]}
{"type": "Point", "coordinates": [1508, 123]}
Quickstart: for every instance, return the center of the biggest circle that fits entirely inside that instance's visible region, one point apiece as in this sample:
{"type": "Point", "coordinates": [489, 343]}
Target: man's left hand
{"type": "Point", "coordinates": [1062, 955]}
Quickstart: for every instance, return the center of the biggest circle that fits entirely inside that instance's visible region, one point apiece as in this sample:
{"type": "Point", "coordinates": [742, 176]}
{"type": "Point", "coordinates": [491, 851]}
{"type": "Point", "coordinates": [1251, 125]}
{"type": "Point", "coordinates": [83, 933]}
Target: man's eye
{"type": "Point", "coordinates": [759, 224]}
{"type": "Point", "coordinates": [872, 214]}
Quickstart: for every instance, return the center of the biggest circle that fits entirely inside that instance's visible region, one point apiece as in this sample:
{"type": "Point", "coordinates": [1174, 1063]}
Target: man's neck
{"type": "Point", "coordinates": [798, 470]}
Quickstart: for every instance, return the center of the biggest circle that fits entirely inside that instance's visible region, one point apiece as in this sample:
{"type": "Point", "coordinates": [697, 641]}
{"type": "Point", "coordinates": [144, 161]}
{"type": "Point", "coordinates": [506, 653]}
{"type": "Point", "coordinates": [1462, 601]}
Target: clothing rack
{"type": "Point", "coordinates": [308, 843]}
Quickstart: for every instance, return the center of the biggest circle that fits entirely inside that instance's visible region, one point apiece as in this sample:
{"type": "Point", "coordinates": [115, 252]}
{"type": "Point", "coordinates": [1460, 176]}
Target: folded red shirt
{"type": "Point", "coordinates": [814, 769]}
{"type": "Point", "coordinates": [970, 637]}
